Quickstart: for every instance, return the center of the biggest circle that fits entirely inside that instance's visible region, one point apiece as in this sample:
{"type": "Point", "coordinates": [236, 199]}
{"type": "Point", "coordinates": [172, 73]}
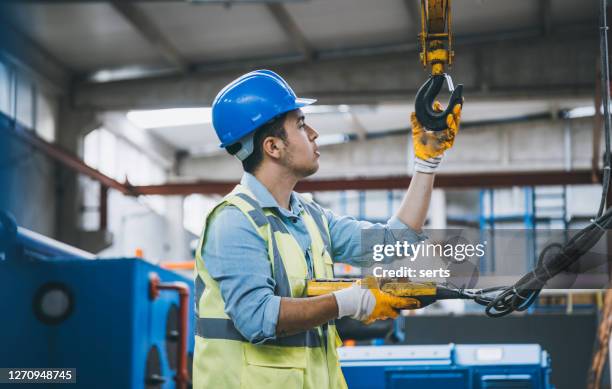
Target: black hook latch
{"type": "Point", "coordinates": [423, 106]}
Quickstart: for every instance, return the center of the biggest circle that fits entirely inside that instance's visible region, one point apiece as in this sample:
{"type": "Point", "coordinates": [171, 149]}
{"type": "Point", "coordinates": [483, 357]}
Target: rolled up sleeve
{"type": "Point", "coordinates": [347, 232]}
{"type": "Point", "coordinates": [236, 257]}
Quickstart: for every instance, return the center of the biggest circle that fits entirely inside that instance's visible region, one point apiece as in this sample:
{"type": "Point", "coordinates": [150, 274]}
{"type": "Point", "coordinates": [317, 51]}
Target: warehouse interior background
{"type": "Point", "coordinates": [112, 150]}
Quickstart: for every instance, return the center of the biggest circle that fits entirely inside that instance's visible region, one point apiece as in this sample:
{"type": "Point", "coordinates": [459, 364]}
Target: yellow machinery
{"type": "Point", "coordinates": [436, 42]}
{"type": "Point", "coordinates": [420, 294]}
{"type": "Point", "coordinates": [436, 37]}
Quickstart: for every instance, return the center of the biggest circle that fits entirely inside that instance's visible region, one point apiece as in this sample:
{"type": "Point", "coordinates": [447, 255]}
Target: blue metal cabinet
{"type": "Point", "coordinates": [446, 366]}
{"type": "Point", "coordinates": [110, 327]}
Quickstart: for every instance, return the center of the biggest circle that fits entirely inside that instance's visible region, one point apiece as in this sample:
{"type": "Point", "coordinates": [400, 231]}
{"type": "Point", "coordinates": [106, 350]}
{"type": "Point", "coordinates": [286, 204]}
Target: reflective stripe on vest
{"type": "Point", "coordinates": [213, 328]}
{"type": "Point", "coordinates": [282, 288]}
{"type": "Point", "coordinates": [199, 290]}
{"type": "Point", "coordinates": [317, 215]}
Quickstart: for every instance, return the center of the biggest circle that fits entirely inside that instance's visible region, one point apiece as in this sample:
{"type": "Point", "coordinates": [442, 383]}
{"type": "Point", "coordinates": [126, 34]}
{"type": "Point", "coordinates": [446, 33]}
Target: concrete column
{"type": "Point", "coordinates": [72, 126]}
{"type": "Point", "coordinates": [178, 239]}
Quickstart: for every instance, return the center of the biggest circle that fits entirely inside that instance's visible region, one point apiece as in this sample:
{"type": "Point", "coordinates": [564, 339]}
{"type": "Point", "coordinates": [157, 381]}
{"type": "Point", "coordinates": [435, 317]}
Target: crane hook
{"type": "Point", "coordinates": [423, 105]}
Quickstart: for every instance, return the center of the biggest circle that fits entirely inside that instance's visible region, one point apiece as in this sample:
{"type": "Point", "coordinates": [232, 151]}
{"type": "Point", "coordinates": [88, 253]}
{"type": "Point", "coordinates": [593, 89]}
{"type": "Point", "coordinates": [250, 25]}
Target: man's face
{"type": "Point", "coordinates": [301, 153]}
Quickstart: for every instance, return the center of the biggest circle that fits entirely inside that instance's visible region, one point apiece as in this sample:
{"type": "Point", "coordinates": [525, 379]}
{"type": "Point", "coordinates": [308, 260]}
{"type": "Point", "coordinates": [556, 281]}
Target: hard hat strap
{"type": "Point", "coordinates": [246, 147]}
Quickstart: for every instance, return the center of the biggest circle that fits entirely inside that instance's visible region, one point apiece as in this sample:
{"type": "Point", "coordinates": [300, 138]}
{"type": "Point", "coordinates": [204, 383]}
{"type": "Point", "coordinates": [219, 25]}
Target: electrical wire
{"type": "Point", "coordinates": [605, 87]}
{"type": "Point", "coordinates": [555, 258]}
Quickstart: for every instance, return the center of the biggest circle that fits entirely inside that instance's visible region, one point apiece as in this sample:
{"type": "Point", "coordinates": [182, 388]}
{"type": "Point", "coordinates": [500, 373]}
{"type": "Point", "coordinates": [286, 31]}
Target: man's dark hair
{"type": "Point", "coordinates": [274, 127]}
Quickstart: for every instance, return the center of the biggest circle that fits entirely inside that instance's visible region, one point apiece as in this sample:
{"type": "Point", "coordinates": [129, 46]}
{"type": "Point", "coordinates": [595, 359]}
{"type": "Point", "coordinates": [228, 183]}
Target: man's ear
{"type": "Point", "coordinates": [272, 146]}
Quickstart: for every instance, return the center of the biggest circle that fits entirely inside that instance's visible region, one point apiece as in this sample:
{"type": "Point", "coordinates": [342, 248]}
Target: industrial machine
{"type": "Point", "coordinates": [121, 323]}
{"type": "Point", "coordinates": [446, 366]}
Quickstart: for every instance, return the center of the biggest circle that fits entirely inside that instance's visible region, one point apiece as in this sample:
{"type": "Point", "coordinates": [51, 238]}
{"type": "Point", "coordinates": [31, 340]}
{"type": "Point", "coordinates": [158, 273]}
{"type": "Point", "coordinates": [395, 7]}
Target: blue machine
{"type": "Point", "coordinates": [63, 309]}
{"type": "Point", "coordinates": [524, 366]}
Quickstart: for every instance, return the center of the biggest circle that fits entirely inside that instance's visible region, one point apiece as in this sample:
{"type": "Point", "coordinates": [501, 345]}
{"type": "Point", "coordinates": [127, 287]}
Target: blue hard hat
{"type": "Point", "coordinates": [250, 101]}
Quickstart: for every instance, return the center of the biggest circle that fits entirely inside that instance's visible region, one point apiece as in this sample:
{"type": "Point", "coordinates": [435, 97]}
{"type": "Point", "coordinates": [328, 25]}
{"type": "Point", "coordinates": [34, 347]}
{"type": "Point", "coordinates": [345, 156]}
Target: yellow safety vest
{"type": "Point", "coordinates": [222, 357]}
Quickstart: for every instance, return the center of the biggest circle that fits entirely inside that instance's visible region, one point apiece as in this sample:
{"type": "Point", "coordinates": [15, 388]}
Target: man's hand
{"type": "Point", "coordinates": [429, 146]}
{"type": "Point", "coordinates": [366, 302]}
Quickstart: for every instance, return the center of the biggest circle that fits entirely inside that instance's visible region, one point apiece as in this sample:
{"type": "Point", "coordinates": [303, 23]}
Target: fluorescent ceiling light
{"type": "Point", "coordinates": [128, 72]}
{"type": "Point", "coordinates": [172, 117]}
{"type": "Point", "coordinates": [580, 112]}
{"type": "Point", "coordinates": [332, 139]}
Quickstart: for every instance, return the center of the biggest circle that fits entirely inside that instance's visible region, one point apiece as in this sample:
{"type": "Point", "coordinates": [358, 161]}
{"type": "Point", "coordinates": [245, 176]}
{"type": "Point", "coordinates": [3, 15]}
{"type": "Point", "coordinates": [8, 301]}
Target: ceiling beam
{"type": "Point", "coordinates": [514, 71]}
{"type": "Point", "coordinates": [473, 180]}
{"type": "Point", "coordinates": [144, 141]}
{"type": "Point", "coordinates": [288, 24]}
{"type": "Point", "coordinates": [143, 24]}
{"type": "Point", "coordinates": [569, 32]}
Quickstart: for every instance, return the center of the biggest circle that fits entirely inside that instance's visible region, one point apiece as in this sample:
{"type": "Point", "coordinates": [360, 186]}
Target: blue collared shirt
{"type": "Point", "coordinates": [236, 256]}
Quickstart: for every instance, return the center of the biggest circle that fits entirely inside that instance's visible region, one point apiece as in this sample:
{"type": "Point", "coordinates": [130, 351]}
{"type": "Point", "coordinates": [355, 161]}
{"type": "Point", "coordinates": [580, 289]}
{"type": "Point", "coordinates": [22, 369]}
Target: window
{"type": "Point", "coordinates": [46, 114]}
{"type": "Point", "coordinates": [99, 152]}
{"type": "Point", "coordinates": [26, 106]}
{"type": "Point", "coordinates": [5, 89]}
{"type": "Point", "coordinates": [21, 99]}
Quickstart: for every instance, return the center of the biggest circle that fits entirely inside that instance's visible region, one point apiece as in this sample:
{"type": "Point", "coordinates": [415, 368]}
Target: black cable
{"type": "Point", "coordinates": [605, 87]}
{"type": "Point", "coordinates": [501, 301]}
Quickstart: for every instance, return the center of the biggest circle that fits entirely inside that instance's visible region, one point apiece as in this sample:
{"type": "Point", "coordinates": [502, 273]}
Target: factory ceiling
{"type": "Point", "coordinates": [516, 58]}
{"type": "Point", "coordinates": [105, 40]}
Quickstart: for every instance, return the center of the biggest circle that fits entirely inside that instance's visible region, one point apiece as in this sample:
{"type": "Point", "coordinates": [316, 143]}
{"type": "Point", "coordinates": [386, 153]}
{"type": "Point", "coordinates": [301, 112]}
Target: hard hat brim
{"type": "Point", "coordinates": [301, 102]}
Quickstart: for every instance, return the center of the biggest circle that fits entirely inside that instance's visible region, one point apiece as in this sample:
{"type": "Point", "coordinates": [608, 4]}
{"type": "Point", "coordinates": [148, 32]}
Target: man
{"type": "Point", "coordinates": [261, 243]}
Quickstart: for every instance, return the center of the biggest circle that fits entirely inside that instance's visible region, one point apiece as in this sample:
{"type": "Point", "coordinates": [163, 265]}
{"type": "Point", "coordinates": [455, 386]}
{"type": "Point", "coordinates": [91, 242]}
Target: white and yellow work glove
{"type": "Point", "coordinates": [365, 301]}
{"type": "Point", "coordinates": [429, 146]}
